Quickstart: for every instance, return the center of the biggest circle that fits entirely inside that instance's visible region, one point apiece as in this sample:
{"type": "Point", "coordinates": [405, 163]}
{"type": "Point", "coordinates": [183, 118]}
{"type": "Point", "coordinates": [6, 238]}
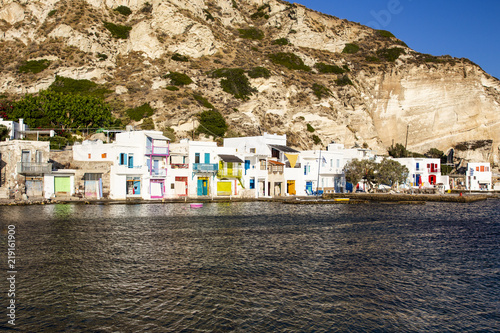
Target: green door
{"type": "Point", "coordinates": [62, 185]}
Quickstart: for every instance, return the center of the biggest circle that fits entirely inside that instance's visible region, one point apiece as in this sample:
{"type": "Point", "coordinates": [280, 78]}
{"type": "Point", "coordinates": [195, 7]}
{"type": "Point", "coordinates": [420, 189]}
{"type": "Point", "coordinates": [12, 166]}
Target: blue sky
{"type": "Point", "coordinates": [460, 28]}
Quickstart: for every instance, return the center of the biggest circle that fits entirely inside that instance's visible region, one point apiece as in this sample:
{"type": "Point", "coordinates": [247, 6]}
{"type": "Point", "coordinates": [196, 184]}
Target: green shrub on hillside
{"type": "Point", "coordinates": [385, 33]}
{"type": "Point", "coordinates": [259, 72]}
{"type": "Point", "coordinates": [350, 48]}
{"type": "Point", "coordinates": [281, 41]}
{"type": "Point", "coordinates": [289, 60]}
{"type": "Point", "coordinates": [180, 57]}
{"type": "Point", "coordinates": [343, 81]}
{"type": "Point", "coordinates": [148, 124]}
{"type": "Point", "coordinates": [147, 9]}
{"type": "Point", "coordinates": [124, 10]}
{"type": "Point", "coordinates": [140, 112]}
{"type": "Point", "coordinates": [212, 123]}
{"type": "Point", "coordinates": [169, 132]}
{"type": "Point", "coordinates": [310, 128]}
{"type": "Point", "coordinates": [372, 59]}
{"type": "Point", "coordinates": [179, 79]}
{"type": "Point", "coordinates": [327, 69]}
{"type": "Point", "coordinates": [320, 91]}
{"type": "Point", "coordinates": [34, 66]}
{"type": "Point", "coordinates": [67, 85]}
{"type": "Point", "coordinates": [235, 82]}
{"type": "Point", "coordinates": [118, 31]}
{"type": "Point", "coordinates": [390, 54]}
{"type": "Point", "coordinates": [251, 33]}
{"type": "Point", "coordinates": [208, 16]}
{"type": "Point", "coordinates": [102, 56]}
{"type": "Point", "coordinates": [172, 88]}
{"type": "Point", "coordinates": [203, 101]}
{"type": "Point", "coordinates": [262, 11]}
{"type": "Point", "coordinates": [316, 139]}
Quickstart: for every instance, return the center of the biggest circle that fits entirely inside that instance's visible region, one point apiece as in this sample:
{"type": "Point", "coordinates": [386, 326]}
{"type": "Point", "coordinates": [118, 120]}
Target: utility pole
{"type": "Point", "coordinates": [406, 142]}
{"type": "Point", "coordinates": [319, 168]}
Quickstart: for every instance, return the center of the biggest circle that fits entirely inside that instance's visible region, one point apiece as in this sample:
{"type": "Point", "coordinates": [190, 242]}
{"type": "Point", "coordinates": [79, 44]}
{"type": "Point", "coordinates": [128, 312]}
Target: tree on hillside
{"type": "Point", "coordinates": [51, 109]}
{"type": "Point", "coordinates": [397, 151]}
{"type": "Point", "coordinates": [212, 123]}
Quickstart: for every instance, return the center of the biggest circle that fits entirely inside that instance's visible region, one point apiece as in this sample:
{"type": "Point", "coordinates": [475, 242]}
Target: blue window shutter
{"type": "Point", "coordinates": [252, 183]}
{"type": "Point", "coordinates": [122, 160]}
{"type": "Point", "coordinates": [207, 158]}
{"type": "Point", "coordinates": [131, 161]}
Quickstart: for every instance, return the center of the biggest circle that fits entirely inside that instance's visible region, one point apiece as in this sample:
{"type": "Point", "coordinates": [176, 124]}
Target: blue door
{"type": "Point", "coordinates": [309, 187]}
{"type": "Point", "coordinates": [417, 180]}
{"type": "Point", "coordinates": [130, 161]}
{"type": "Point", "coordinates": [137, 187]}
{"type": "Point", "coordinates": [202, 187]}
{"type": "Point", "coordinates": [247, 165]}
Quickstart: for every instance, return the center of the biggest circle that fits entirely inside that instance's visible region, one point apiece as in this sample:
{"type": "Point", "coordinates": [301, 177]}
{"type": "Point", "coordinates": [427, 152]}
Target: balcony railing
{"type": "Point", "coordinates": [229, 173]}
{"type": "Point", "coordinates": [179, 166]}
{"type": "Point", "coordinates": [158, 172]}
{"type": "Point", "coordinates": [156, 150]}
{"type": "Point", "coordinates": [205, 167]}
{"type": "Point", "coordinates": [34, 168]}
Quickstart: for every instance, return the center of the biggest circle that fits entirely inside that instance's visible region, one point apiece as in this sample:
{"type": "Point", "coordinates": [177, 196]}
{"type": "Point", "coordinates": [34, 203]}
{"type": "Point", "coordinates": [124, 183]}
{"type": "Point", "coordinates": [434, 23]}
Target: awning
{"type": "Point", "coordinates": [272, 162]}
{"type": "Point", "coordinates": [230, 159]}
{"type": "Point", "coordinates": [157, 136]}
{"type": "Point", "coordinates": [284, 149]}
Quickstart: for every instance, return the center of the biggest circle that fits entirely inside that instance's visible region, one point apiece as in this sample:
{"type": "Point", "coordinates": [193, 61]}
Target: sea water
{"type": "Point", "coordinates": [253, 267]}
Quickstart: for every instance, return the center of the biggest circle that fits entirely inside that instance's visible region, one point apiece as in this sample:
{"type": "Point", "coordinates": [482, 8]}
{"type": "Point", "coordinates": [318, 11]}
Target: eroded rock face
{"type": "Point", "coordinates": [438, 103]}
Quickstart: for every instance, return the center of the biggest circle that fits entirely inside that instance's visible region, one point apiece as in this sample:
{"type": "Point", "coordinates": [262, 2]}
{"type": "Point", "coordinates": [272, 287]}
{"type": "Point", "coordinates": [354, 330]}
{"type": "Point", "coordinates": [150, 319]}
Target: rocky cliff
{"type": "Point", "coordinates": [353, 85]}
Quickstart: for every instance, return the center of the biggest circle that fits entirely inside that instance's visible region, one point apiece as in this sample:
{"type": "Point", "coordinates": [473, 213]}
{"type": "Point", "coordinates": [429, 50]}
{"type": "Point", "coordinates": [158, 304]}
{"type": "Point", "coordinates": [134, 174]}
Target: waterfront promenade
{"type": "Point", "coordinates": [354, 198]}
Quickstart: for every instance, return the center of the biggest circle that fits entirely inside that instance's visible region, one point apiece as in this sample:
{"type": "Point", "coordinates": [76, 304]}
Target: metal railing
{"type": "Point", "coordinates": [33, 168]}
{"type": "Point", "coordinates": [229, 173]}
{"type": "Point", "coordinates": [205, 167]}
{"type": "Point", "coordinates": [180, 166]}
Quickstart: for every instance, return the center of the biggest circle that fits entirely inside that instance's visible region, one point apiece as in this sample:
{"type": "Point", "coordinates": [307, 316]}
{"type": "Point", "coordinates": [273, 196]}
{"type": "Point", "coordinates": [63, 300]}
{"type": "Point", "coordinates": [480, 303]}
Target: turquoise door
{"type": "Point", "coordinates": [202, 187]}
{"type": "Point", "coordinates": [137, 187]}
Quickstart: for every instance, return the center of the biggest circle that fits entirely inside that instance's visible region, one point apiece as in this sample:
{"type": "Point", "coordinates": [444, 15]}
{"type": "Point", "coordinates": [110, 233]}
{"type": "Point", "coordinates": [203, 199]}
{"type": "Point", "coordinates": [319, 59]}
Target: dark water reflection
{"type": "Point", "coordinates": [256, 267]}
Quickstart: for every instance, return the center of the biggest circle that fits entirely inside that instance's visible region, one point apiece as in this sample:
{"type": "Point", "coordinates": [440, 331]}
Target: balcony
{"type": "Point", "coordinates": [205, 167]}
{"type": "Point", "coordinates": [158, 172]}
{"type": "Point", "coordinates": [179, 166]}
{"type": "Point", "coordinates": [33, 168]}
{"type": "Point", "coordinates": [224, 173]}
{"type": "Point", "coordinates": [154, 150]}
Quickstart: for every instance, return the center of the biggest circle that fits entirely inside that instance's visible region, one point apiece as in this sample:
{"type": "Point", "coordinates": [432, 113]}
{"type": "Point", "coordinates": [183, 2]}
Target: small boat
{"type": "Point", "coordinates": [196, 205]}
{"type": "Point", "coordinates": [341, 199]}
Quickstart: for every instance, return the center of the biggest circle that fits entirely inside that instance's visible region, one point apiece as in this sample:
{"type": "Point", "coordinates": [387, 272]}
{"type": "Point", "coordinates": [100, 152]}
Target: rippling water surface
{"type": "Point", "coordinates": [255, 267]}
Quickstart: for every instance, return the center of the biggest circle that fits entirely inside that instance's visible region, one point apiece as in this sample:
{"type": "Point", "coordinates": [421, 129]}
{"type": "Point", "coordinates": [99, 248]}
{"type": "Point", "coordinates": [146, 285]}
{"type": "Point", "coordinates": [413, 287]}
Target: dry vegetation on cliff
{"type": "Point", "coordinates": [355, 85]}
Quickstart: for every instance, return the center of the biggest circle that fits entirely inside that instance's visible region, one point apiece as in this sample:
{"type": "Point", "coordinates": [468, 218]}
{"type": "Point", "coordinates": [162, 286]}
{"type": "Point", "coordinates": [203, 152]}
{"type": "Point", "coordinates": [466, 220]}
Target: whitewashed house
{"type": "Point", "coordinates": [270, 166]}
{"type": "Point", "coordinates": [323, 170]}
{"type": "Point", "coordinates": [139, 167]}
{"type": "Point", "coordinates": [478, 177]}
{"type": "Point", "coordinates": [423, 172]}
